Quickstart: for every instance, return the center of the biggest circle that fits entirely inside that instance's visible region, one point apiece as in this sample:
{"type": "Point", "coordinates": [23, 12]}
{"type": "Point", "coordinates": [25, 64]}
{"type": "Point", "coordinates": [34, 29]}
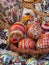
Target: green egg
{"type": "Point", "coordinates": [31, 61]}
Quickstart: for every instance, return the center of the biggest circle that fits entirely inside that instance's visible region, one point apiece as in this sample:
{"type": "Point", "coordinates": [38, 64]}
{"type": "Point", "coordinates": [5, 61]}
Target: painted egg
{"type": "Point", "coordinates": [17, 32]}
{"type": "Point", "coordinates": [26, 43]}
{"type": "Point", "coordinates": [1, 63]}
{"type": "Point", "coordinates": [43, 41]}
{"type": "Point", "coordinates": [34, 30]}
{"type": "Point", "coordinates": [43, 62]}
{"type": "Point", "coordinates": [15, 59]}
{"type": "Point", "coordinates": [18, 26]}
{"type": "Point", "coordinates": [23, 61]}
{"type": "Point", "coordinates": [21, 58]}
{"type": "Point", "coordinates": [31, 61]}
{"type": "Point", "coordinates": [7, 59]}
{"type": "Point", "coordinates": [45, 25]}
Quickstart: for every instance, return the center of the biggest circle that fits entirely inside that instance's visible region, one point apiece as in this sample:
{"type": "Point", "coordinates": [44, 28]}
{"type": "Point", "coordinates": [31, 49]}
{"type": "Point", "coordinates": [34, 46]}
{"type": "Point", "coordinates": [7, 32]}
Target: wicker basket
{"type": "Point", "coordinates": [38, 53]}
{"type": "Point", "coordinates": [3, 23]}
{"type": "Point", "coordinates": [31, 1]}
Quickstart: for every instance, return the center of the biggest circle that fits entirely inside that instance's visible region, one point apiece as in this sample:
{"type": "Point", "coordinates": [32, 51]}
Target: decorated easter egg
{"type": "Point", "coordinates": [15, 36]}
{"type": "Point", "coordinates": [43, 62]}
{"type": "Point", "coordinates": [34, 30]}
{"type": "Point", "coordinates": [18, 26]}
{"type": "Point", "coordinates": [43, 41]}
{"type": "Point", "coordinates": [7, 59]}
{"type": "Point", "coordinates": [31, 61]}
{"type": "Point", "coordinates": [17, 32]}
{"type": "Point", "coordinates": [15, 59]}
{"type": "Point", "coordinates": [23, 61]}
{"type": "Point", "coordinates": [21, 58]}
{"type": "Point", "coordinates": [1, 63]}
{"type": "Point", "coordinates": [26, 43]}
{"type": "Point", "coordinates": [45, 25]}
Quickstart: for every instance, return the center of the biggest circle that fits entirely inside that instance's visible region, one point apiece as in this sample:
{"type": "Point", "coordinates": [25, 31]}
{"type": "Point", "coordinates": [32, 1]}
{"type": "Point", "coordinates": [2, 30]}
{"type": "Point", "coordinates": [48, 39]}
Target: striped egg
{"type": "Point", "coordinates": [26, 43]}
{"type": "Point", "coordinates": [18, 26]}
{"type": "Point", "coordinates": [43, 41]}
{"type": "Point", "coordinates": [34, 30]}
{"type": "Point", "coordinates": [17, 32]}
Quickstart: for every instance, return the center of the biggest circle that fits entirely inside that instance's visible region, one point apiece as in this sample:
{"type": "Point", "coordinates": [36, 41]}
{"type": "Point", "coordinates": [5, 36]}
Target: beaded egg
{"type": "Point", "coordinates": [17, 32]}
{"type": "Point", "coordinates": [34, 30]}
{"type": "Point", "coordinates": [43, 41]}
{"type": "Point", "coordinates": [26, 43]}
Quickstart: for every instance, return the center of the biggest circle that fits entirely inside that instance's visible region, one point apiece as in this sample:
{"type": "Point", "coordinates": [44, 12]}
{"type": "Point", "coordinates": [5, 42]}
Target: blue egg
{"type": "Point", "coordinates": [6, 59]}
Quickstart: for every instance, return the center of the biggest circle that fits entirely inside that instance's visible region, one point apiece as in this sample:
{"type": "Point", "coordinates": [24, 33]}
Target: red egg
{"type": "Point", "coordinates": [34, 30]}
{"type": "Point", "coordinates": [17, 32]}
{"type": "Point", "coordinates": [26, 43]}
{"type": "Point", "coordinates": [18, 26]}
{"type": "Point", "coordinates": [43, 41]}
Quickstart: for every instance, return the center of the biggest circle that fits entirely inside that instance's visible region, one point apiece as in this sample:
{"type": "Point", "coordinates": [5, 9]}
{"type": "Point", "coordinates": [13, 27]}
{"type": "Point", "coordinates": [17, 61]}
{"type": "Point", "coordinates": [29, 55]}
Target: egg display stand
{"type": "Point", "coordinates": [38, 53]}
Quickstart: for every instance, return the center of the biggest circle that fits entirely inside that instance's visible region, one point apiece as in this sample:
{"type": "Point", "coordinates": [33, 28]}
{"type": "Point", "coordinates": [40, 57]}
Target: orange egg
{"type": "Point", "coordinates": [26, 43]}
{"type": "Point", "coordinates": [17, 32]}
{"type": "Point", "coordinates": [18, 26]}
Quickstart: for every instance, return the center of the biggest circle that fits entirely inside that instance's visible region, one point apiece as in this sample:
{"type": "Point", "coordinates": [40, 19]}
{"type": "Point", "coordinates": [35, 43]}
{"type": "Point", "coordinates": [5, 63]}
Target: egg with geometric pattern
{"type": "Point", "coordinates": [34, 30]}
{"type": "Point", "coordinates": [43, 41]}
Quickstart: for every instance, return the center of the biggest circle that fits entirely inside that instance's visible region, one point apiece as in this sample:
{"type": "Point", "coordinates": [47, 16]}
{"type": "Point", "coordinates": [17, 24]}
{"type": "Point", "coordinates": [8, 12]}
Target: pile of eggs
{"type": "Point", "coordinates": [28, 37]}
{"type": "Point", "coordinates": [8, 59]}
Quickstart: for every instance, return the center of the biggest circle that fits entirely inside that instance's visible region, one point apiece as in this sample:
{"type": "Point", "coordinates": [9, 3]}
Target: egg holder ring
{"type": "Point", "coordinates": [40, 53]}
